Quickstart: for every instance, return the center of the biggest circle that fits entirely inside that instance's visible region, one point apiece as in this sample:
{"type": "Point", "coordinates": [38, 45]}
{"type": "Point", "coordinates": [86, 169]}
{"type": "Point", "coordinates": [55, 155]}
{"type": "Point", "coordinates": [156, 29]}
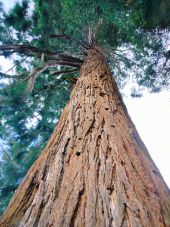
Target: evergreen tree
{"type": "Point", "coordinates": [44, 40]}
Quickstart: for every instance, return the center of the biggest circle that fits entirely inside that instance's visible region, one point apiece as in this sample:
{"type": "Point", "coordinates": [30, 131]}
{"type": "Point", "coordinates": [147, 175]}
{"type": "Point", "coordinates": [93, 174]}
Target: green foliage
{"type": "Point", "coordinates": [156, 13]}
{"type": "Point", "coordinates": [117, 22]}
{"type": "Point", "coordinates": [132, 40]}
{"type": "Point", "coordinates": [18, 17]}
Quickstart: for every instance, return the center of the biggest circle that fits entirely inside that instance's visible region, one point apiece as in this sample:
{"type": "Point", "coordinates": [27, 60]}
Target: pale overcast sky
{"type": "Point", "coordinates": [151, 115]}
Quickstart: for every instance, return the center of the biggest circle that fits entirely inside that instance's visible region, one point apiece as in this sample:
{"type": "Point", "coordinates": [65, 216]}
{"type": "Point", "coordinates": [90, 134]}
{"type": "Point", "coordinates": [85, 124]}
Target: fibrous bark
{"type": "Point", "coordinates": [95, 170]}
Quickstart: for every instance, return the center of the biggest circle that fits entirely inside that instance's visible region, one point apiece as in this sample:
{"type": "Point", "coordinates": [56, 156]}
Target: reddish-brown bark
{"type": "Point", "coordinates": [95, 170]}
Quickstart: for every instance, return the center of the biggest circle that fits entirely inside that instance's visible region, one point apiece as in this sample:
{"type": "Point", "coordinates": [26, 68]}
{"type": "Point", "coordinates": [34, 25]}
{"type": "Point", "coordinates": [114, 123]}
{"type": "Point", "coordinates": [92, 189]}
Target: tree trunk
{"type": "Point", "coordinates": [95, 171]}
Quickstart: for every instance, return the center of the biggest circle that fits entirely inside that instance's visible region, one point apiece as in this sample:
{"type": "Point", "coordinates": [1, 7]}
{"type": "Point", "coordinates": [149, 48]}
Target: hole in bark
{"type": "Point", "coordinates": [154, 171]}
{"type": "Point", "coordinates": [80, 138]}
{"type": "Point", "coordinates": [36, 185]}
{"type": "Point", "coordinates": [138, 213]}
{"type": "Point", "coordinates": [106, 108]}
{"type": "Point", "coordinates": [81, 192]}
{"type": "Point", "coordinates": [109, 149]}
{"type": "Point", "coordinates": [112, 126]}
{"type": "Point", "coordinates": [122, 163]}
{"type": "Point", "coordinates": [78, 153]}
{"type": "Point", "coordinates": [98, 140]}
{"type": "Point", "coordinates": [24, 210]}
{"type": "Point", "coordinates": [102, 94]}
{"type": "Point", "coordinates": [110, 189]}
{"type": "Point", "coordinates": [156, 193]}
{"type": "Point", "coordinates": [101, 75]}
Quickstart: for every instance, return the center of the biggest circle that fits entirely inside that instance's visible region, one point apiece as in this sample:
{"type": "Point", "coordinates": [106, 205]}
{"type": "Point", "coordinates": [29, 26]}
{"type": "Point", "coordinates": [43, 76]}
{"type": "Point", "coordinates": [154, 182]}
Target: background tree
{"type": "Point", "coordinates": [121, 31]}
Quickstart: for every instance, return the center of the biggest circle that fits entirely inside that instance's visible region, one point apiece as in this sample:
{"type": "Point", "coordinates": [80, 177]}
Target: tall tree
{"type": "Point", "coordinates": [94, 171]}
{"type": "Point", "coordinates": [95, 147]}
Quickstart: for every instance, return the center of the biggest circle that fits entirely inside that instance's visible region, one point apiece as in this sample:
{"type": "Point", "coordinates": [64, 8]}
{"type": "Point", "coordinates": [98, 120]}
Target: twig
{"type": "Point", "coordinates": [122, 50]}
{"type": "Point", "coordinates": [64, 72]}
{"type": "Point", "coordinates": [56, 36]}
{"type": "Point", "coordinates": [74, 80]}
{"type": "Point", "coordinates": [81, 45]}
{"type": "Point", "coordinates": [120, 55]}
{"type": "Point", "coordinates": [16, 64]}
{"type": "Point", "coordinates": [10, 76]}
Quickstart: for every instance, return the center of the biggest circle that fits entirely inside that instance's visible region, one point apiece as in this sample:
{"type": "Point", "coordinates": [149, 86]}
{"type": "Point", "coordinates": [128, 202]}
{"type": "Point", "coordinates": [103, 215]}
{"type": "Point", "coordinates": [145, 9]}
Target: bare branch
{"type": "Point", "coordinates": [68, 63]}
{"type": "Point", "coordinates": [59, 59]}
{"type": "Point", "coordinates": [63, 72]}
{"type": "Point", "coordinates": [64, 59]}
{"type": "Point", "coordinates": [32, 76]}
{"type": "Point", "coordinates": [21, 48]}
{"type": "Point", "coordinates": [11, 76]}
{"type": "Point", "coordinates": [36, 71]}
{"type": "Point", "coordinates": [91, 40]}
{"type": "Point", "coordinates": [56, 36]}
{"type": "Point", "coordinates": [122, 56]}
{"type": "Point", "coordinates": [16, 64]}
{"type": "Point", "coordinates": [82, 46]}
{"type": "Point", "coordinates": [6, 75]}
{"type": "Point", "coordinates": [129, 49]}
{"type": "Point", "coordinates": [73, 80]}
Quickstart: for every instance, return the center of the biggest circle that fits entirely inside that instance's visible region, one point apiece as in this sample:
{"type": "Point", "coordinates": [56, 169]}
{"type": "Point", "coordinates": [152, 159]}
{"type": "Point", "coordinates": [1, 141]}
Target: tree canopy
{"type": "Point", "coordinates": [47, 42]}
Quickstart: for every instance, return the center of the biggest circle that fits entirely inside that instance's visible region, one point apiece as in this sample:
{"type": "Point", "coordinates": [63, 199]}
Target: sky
{"type": "Point", "coordinates": [9, 3]}
{"type": "Point", "coordinates": [151, 116]}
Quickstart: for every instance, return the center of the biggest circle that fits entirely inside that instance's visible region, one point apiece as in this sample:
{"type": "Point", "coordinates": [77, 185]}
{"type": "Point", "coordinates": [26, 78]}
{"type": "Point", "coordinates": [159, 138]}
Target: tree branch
{"type": "Point", "coordinates": [83, 46]}
{"type": "Point", "coordinates": [16, 64]}
{"type": "Point", "coordinates": [11, 76]}
{"type": "Point", "coordinates": [60, 59]}
{"type": "Point", "coordinates": [32, 76]}
{"type": "Point", "coordinates": [63, 72]}
{"type": "Point", "coordinates": [122, 56]}
{"type": "Point", "coordinates": [73, 80]}
{"type": "Point", "coordinates": [29, 48]}
{"type": "Point", "coordinates": [63, 59]}
{"type": "Point", "coordinates": [36, 71]}
{"type": "Point", "coordinates": [56, 36]}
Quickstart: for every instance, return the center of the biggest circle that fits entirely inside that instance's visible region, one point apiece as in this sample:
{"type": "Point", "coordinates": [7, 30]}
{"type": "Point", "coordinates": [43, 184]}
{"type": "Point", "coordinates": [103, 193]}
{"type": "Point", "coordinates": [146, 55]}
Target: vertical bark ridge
{"type": "Point", "coordinates": [95, 170]}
